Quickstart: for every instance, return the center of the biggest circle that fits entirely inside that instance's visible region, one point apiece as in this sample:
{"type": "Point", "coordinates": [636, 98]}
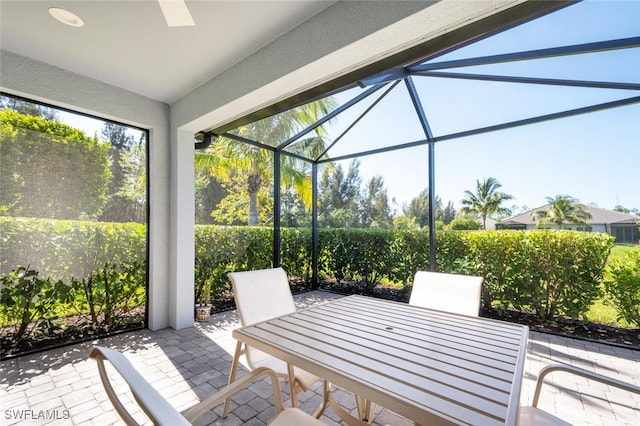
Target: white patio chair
{"type": "Point", "coordinates": [261, 295]}
{"type": "Point", "coordinates": [532, 415]}
{"type": "Point", "coordinates": [454, 293]}
{"type": "Point", "coordinates": [160, 412]}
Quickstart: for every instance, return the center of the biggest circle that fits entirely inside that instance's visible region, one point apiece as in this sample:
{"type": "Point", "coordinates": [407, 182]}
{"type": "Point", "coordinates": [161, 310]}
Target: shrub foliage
{"type": "Point", "coordinates": [68, 280]}
{"type": "Point", "coordinates": [50, 169]}
{"type": "Point", "coordinates": [51, 270]}
{"type": "Point", "coordinates": [623, 287]}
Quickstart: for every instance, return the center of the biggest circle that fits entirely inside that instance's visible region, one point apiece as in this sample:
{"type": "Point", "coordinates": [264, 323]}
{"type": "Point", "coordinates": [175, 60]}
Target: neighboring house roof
{"type": "Point", "coordinates": [598, 216]}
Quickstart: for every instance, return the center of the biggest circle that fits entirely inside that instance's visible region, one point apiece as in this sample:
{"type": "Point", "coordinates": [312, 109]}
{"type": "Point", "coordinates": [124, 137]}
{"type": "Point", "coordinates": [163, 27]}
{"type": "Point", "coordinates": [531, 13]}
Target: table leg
{"type": "Point", "coordinates": [292, 386]}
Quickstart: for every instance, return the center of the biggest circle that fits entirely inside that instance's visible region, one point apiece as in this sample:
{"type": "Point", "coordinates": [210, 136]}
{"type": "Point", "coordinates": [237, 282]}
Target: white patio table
{"type": "Point", "coordinates": [429, 366]}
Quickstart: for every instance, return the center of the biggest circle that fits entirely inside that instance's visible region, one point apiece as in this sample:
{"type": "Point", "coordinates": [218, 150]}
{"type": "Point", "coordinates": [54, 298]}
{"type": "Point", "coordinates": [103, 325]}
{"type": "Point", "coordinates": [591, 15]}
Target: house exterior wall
{"type": "Point", "coordinates": [626, 233]}
{"type": "Point", "coordinates": [594, 227]}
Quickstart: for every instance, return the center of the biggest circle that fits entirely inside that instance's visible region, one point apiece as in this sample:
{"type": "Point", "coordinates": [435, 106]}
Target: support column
{"type": "Point", "coordinates": [182, 221]}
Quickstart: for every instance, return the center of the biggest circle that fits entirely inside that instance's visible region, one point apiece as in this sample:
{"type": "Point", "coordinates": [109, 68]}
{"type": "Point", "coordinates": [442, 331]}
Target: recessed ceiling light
{"type": "Point", "coordinates": [66, 17]}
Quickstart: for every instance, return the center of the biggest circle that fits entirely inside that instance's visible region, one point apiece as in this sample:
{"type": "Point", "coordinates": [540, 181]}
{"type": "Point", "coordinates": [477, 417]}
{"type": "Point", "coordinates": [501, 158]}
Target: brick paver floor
{"type": "Point", "coordinates": [62, 387]}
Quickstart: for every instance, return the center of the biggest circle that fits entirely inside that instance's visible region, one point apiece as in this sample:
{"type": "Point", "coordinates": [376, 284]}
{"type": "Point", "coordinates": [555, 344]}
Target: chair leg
{"type": "Point", "coordinates": [365, 409]}
{"type": "Point", "coordinates": [232, 376]}
{"type": "Point", "coordinates": [293, 389]}
{"type": "Point", "coordinates": [325, 399]}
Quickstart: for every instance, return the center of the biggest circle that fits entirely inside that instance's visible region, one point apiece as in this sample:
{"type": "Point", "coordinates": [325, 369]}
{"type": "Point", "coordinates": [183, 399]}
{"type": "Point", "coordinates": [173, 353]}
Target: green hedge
{"type": "Point", "coordinates": [622, 287]}
{"type": "Point", "coordinates": [50, 169]}
{"type": "Point", "coordinates": [63, 249]}
{"type": "Point", "coordinates": [68, 280]}
{"type": "Point", "coordinates": [37, 312]}
{"type": "Point", "coordinates": [546, 272]}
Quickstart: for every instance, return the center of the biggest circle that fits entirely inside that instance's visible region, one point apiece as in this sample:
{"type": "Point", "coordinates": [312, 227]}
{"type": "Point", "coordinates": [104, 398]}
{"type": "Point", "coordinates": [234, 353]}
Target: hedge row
{"type": "Point", "coordinates": [64, 249]}
{"type": "Point", "coordinates": [547, 272]}
{"type": "Point", "coordinates": [38, 312]}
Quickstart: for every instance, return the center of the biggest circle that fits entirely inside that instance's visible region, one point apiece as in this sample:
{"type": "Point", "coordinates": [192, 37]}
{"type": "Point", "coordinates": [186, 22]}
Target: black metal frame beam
{"type": "Point", "coordinates": [276, 208]}
{"type": "Point", "coordinates": [388, 70]}
{"type": "Point", "coordinates": [248, 141]}
{"type": "Point", "coordinates": [373, 151]}
{"type": "Point", "coordinates": [360, 117]}
{"type": "Point", "coordinates": [575, 49]}
{"type": "Point", "coordinates": [331, 115]}
{"type": "Point", "coordinates": [314, 226]}
{"type": "Point", "coordinates": [532, 80]}
{"type": "Point", "coordinates": [540, 118]}
{"type": "Point", "coordinates": [417, 105]}
{"type": "Point", "coordinates": [431, 48]}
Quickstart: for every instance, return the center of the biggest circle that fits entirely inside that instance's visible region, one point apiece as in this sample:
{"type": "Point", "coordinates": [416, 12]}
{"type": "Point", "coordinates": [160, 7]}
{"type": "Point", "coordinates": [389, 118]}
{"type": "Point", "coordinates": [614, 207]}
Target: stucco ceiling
{"type": "Point", "coordinates": [129, 44]}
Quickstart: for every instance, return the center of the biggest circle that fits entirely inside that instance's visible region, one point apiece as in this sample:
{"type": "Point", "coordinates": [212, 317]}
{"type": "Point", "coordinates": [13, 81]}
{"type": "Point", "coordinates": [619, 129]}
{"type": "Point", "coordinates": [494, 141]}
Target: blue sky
{"type": "Point", "coordinates": [594, 157]}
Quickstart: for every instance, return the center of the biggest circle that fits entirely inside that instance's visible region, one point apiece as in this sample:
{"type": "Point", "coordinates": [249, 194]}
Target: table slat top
{"type": "Point", "coordinates": [424, 364]}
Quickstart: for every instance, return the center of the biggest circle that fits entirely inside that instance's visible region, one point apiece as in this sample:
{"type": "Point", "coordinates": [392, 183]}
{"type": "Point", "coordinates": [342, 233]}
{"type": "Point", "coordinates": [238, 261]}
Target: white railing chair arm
{"type": "Point", "coordinates": [158, 409]}
{"type": "Point", "coordinates": [532, 415]}
{"type": "Point", "coordinates": [219, 397]}
{"type": "Point", "coordinates": [580, 372]}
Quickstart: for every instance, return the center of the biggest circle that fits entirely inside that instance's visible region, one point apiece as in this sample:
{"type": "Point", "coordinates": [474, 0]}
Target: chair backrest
{"type": "Point", "coordinates": [261, 295]}
{"type": "Point", "coordinates": [152, 403]}
{"type": "Point", "coordinates": [459, 294]}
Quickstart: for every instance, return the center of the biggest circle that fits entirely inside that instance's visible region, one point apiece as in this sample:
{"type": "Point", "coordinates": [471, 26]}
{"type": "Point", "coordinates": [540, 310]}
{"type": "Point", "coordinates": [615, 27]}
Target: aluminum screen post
{"type": "Point", "coordinates": [276, 209]}
{"type": "Point", "coordinates": [314, 226]}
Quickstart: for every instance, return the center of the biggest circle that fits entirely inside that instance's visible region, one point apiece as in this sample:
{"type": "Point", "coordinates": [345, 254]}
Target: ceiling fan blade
{"type": "Point", "coordinates": [176, 13]}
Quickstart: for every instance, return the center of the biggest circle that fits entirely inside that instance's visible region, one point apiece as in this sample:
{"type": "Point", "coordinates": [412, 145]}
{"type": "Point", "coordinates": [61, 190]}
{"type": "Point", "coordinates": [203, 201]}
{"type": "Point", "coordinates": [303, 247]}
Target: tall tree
{"type": "Point", "coordinates": [209, 193]}
{"type": "Point", "coordinates": [134, 185]}
{"type": "Point", "coordinates": [229, 159]}
{"type": "Point", "coordinates": [447, 214]}
{"type": "Point", "coordinates": [339, 196]}
{"type": "Point", "coordinates": [28, 108]}
{"type": "Point", "coordinates": [121, 142]}
{"type": "Point", "coordinates": [487, 200]}
{"type": "Point", "coordinates": [418, 210]}
{"type": "Point", "coordinates": [562, 209]}
{"type": "Point", "coordinates": [49, 169]}
{"type": "Point", "coordinates": [375, 209]}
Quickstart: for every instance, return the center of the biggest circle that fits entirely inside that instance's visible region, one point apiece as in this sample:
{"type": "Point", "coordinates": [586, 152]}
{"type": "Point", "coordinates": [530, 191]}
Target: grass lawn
{"type": "Point", "coordinates": [619, 250]}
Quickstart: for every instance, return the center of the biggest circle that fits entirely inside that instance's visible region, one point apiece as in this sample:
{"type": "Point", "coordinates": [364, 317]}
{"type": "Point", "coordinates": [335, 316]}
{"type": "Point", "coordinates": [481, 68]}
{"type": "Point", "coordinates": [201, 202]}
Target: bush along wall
{"type": "Point", "coordinates": [38, 312]}
{"type": "Point", "coordinates": [55, 273]}
{"type": "Point", "coordinates": [548, 273]}
{"type": "Point", "coordinates": [64, 281]}
{"type": "Point", "coordinates": [63, 249]}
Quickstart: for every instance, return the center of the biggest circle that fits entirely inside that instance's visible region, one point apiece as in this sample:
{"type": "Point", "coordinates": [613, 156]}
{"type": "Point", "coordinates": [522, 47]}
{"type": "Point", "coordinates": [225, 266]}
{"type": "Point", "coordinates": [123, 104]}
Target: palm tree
{"type": "Point", "coordinates": [486, 200]}
{"type": "Point", "coordinates": [229, 159]}
{"type": "Point", "coordinates": [562, 209]}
